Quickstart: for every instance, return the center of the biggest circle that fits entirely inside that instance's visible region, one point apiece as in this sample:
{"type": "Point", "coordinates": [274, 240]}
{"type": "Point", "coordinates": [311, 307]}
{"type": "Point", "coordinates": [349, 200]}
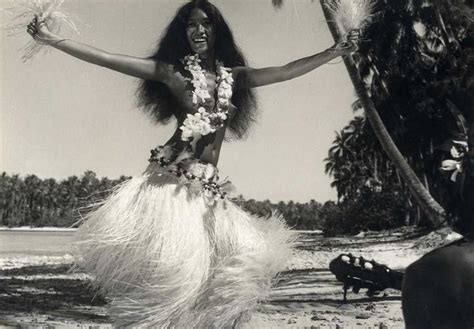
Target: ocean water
{"type": "Point", "coordinates": [46, 242]}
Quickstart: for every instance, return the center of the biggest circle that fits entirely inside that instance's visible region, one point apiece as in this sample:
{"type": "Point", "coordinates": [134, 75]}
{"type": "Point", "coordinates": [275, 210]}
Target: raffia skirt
{"type": "Point", "coordinates": [169, 253]}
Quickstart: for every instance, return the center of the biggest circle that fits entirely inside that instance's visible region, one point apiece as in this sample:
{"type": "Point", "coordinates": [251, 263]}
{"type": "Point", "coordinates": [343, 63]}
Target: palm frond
{"type": "Point", "coordinates": [350, 14]}
{"type": "Point", "coordinates": [22, 12]}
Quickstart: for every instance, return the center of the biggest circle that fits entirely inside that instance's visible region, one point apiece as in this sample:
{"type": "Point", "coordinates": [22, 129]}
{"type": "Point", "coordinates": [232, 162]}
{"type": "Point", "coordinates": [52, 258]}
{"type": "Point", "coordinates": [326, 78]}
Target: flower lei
{"type": "Point", "coordinates": [206, 121]}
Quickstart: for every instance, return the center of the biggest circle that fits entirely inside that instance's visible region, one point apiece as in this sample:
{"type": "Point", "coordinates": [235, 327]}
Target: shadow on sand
{"type": "Point", "coordinates": [50, 289]}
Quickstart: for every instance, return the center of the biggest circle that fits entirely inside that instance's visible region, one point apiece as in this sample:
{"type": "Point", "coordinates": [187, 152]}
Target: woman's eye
{"type": "Point", "coordinates": [195, 25]}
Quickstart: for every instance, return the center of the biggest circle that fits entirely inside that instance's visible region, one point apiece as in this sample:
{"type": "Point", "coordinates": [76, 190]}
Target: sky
{"type": "Point", "coordinates": [60, 116]}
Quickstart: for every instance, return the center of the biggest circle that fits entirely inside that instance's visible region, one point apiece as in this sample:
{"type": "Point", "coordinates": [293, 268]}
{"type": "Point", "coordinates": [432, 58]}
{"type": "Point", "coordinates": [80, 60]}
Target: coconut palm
{"type": "Point", "coordinates": [417, 60]}
{"type": "Point", "coordinates": [344, 161]}
{"type": "Point", "coordinates": [420, 52]}
{"type": "Point", "coordinates": [430, 206]}
{"type": "Point", "coordinates": [357, 161]}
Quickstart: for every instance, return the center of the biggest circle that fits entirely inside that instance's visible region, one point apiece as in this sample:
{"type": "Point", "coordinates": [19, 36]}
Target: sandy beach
{"type": "Point", "coordinates": [39, 291]}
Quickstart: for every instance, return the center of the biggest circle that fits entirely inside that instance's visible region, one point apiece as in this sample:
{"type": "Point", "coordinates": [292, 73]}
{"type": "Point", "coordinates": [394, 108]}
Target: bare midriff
{"type": "Point", "coordinates": [211, 151]}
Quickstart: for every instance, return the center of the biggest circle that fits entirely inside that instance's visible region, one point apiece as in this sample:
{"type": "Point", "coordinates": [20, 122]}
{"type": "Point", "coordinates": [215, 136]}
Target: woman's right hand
{"type": "Point", "coordinates": [39, 30]}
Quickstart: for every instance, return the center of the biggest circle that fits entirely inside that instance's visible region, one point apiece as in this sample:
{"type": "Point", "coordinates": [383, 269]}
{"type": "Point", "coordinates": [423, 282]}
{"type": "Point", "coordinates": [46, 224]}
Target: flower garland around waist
{"type": "Point", "coordinates": [189, 170]}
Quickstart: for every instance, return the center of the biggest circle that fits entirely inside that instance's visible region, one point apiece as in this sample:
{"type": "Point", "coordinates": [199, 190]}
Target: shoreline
{"type": "Point", "coordinates": [39, 229]}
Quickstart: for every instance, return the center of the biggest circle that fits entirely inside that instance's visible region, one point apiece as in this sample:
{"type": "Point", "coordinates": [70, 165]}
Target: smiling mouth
{"type": "Point", "coordinates": [200, 39]}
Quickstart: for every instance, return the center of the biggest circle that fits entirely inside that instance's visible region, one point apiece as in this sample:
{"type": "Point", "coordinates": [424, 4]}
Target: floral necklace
{"type": "Point", "coordinates": [206, 121]}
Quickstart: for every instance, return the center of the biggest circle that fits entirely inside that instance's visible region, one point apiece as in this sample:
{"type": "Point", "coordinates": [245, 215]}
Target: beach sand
{"type": "Point", "coordinates": [39, 292]}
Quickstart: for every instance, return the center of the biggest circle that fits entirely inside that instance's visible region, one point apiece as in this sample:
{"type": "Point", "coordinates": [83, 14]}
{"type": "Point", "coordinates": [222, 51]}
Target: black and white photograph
{"type": "Point", "coordinates": [237, 164]}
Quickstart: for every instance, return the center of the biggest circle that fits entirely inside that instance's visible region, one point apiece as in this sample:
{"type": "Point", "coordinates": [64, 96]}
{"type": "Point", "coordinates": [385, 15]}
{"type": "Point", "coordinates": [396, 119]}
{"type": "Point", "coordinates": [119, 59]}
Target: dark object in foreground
{"type": "Point", "coordinates": [357, 272]}
{"type": "Point", "coordinates": [438, 289]}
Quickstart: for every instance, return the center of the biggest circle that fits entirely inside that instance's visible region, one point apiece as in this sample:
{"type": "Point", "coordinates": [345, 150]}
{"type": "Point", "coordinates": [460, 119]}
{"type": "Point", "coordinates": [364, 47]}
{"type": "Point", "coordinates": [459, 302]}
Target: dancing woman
{"type": "Point", "coordinates": [168, 247]}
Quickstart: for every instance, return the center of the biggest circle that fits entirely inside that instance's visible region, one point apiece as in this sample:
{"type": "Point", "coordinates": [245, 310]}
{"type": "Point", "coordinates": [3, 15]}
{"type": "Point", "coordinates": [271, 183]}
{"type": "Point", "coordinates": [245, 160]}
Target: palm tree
{"type": "Point", "coordinates": [357, 161]}
{"type": "Point", "coordinates": [427, 203]}
{"type": "Point", "coordinates": [430, 206]}
{"type": "Point", "coordinates": [417, 62]}
{"type": "Point", "coordinates": [343, 161]}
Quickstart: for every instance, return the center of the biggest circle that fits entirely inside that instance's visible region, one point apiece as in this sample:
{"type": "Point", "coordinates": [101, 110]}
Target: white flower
{"type": "Point", "coordinates": [192, 121]}
{"type": "Point", "coordinates": [186, 133]}
{"type": "Point", "coordinates": [200, 95]}
{"type": "Point", "coordinates": [462, 143]}
{"type": "Point", "coordinates": [203, 93]}
{"type": "Point", "coordinates": [194, 58]}
{"type": "Point", "coordinates": [449, 165]}
{"type": "Point", "coordinates": [224, 102]}
{"type": "Point", "coordinates": [225, 93]}
{"type": "Point", "coordinates": [225, 85]}
{"type": "Point", "coordinates": [454, 153]}
{"type": "Point", "coordinates": [458, 149]}
{"type": "Point", "coordinates": [224, 75]}
{"type": "Point", "coordinates": [195, 98]}
{"type": "Point", "coordinates": [196, 125]}
{"type": "Point", "coordinates": [452, 165]}
{"type": "Point", "coordinates": [190, 128]}
{"type": "Point", "coordinates": [221, 115]}
{"type": "Point", "coordinates": [205, 128]}
{"type": "Point", "coordinates": [210, 171]}
{"type": "Point", "coordinates": [197, 169]}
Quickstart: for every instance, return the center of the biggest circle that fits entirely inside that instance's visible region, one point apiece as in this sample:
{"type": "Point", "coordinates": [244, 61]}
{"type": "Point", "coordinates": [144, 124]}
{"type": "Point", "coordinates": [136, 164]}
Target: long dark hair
{"type": "Point", "coordinates": [156, 98]}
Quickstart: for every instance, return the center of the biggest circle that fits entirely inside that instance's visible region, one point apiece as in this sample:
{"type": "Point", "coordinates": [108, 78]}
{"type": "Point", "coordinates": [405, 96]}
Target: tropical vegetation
{"type": "Point", "coordinates": [413, 77]}
{"type": "Point", "coordinates": [31, 201]}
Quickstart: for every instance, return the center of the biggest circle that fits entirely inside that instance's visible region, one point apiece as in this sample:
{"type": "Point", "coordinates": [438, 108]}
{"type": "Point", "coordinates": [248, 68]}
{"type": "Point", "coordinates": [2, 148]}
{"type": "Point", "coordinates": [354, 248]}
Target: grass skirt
{"type": "Point", "coordinates": [167, 257]}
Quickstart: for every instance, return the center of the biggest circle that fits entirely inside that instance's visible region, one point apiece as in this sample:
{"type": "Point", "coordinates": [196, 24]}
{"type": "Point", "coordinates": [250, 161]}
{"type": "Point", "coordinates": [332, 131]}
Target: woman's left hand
{"type": "Point", "coordinates": [353, 39]}
{"type": "Point", "coordinates": [350, 45]}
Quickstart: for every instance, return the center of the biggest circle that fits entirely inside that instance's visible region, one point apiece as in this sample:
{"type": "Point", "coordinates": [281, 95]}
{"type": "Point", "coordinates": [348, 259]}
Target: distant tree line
{"type": "Point", "coordinates": [31, 201]}
{"type": "Point", "coordinates": [301, 216]}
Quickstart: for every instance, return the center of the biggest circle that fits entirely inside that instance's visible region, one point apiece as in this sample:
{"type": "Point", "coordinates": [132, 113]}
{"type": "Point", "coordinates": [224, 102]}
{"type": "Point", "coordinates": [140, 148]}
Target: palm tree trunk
{"type": "Point", "coordinates": [429, 206]}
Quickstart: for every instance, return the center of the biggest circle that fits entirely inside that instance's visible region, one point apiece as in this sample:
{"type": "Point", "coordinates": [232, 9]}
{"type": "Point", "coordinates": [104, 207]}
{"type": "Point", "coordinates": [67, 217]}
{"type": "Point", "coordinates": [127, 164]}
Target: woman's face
{"type": "Point", "coordinates": [200, 33]}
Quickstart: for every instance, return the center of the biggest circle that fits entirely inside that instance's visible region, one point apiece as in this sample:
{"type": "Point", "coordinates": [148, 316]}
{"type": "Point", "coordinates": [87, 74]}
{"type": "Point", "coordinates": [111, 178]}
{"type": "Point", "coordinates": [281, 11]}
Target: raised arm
{"type": "Point", "coordinates": [251, 77]}
{"type": "Point", "coordinates": [143, 68]}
